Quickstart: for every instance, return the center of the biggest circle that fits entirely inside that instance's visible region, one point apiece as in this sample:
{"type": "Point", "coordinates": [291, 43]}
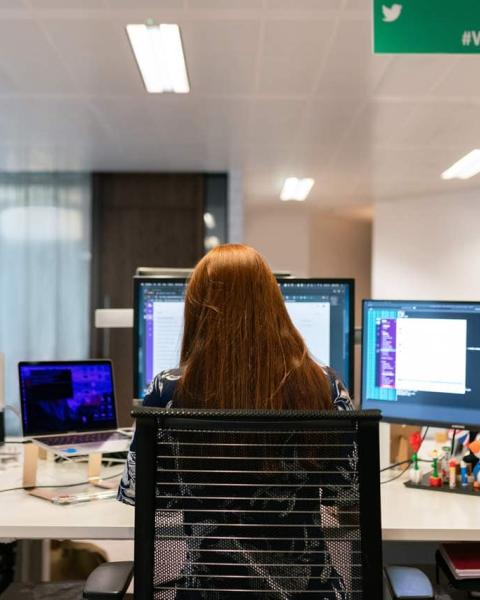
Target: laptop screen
{"type": "Point", "coordinates": [63, 397]}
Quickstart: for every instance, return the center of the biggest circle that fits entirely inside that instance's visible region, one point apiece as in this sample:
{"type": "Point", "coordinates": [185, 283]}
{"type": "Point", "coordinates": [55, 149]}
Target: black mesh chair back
{"type": "Point", "coordinates": [267, 505]}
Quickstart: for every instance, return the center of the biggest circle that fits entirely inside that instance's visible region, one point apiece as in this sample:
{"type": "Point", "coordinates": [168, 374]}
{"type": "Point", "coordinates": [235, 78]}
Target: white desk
{"type": "Point", "coordinates": [25, 517]}
{"type": "Point", "coordinates": [421, 515]}
{"type": "Point", "coordinates": [407, 515]}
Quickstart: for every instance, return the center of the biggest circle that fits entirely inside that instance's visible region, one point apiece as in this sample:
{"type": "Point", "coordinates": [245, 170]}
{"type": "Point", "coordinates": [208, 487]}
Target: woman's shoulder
{"type": "Point", "coordinates": [162, 389]}
{"type": "Point", "coordinates": [340, 397]}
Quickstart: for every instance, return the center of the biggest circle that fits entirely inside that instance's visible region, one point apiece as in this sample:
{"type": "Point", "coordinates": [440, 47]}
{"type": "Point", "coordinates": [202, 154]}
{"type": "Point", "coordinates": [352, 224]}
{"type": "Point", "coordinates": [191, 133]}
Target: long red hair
{"type": "Point", "coordinates": [240, 348]}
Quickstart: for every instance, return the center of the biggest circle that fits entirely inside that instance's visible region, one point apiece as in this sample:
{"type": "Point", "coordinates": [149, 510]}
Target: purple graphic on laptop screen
{"type": "Point", "coordinates": [67, 397]}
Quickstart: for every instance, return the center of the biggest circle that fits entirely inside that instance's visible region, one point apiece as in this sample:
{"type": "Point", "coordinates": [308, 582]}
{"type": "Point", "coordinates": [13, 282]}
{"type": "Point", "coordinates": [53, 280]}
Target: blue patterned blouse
{"type": "Point", "coordinates": [161, 393]}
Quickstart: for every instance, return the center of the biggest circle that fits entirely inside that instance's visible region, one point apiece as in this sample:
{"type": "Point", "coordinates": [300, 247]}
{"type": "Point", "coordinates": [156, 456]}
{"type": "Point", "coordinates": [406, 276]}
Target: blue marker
{"type": "Point", "coordinates": [463, 474]}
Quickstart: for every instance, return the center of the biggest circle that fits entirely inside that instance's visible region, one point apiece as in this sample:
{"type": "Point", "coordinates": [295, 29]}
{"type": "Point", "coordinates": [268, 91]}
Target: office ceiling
{"type": "Point", "coordinates": [279, 88]}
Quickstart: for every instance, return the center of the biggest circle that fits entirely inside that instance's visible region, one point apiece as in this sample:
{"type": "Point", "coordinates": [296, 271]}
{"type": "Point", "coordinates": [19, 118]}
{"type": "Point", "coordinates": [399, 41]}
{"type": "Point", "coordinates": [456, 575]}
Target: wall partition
{"type": "Point", "coordinates": [149, 220]}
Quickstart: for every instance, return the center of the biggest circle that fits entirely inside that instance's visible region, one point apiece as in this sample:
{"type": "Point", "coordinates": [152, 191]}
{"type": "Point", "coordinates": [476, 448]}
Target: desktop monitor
{"type": "Point", "coordinates": [66, 397]}
{"type": "Point", "coordinates": [321, 309]}
{"type": "Point", "coordinates": [323, 312]}
{"type": "Point", "coordinates": [421, 362]}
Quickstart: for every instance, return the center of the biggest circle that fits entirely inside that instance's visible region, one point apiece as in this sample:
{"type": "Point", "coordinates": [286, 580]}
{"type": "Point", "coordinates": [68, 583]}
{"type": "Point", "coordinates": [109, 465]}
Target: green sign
{"type": "Point", "coordinates": [426, 26]}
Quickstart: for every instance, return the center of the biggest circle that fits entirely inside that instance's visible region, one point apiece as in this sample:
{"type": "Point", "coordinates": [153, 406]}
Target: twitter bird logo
{"type": "Point", "coordinates": [391, 14]}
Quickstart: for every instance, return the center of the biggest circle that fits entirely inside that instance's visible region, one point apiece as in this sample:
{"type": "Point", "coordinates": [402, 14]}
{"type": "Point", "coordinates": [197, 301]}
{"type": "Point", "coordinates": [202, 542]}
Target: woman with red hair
{"type": "Point", "coordinates": [241, 350]}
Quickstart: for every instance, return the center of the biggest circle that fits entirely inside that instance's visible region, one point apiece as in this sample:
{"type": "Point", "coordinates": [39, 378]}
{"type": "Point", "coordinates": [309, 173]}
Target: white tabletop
{"type": "Point", "coordinates": [424, 515]}
{"type": "Point", "coordinates": [23, 516]}
{"type": "Point", "coordinates": [407, 514]}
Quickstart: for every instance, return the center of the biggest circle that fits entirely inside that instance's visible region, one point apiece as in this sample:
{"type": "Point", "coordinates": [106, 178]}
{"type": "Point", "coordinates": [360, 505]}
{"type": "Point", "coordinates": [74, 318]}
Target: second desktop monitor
{"type": "Point", "coordinates": [321, 309]}
{"type": "Point", "coordinates": [421, 361]}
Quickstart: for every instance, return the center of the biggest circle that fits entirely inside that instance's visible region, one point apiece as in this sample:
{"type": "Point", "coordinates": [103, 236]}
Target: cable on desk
{"type": "Point", "coordinates": [63, 485]}
{"type": "Point", "coordinates": [396, 476]}
{"type": "Point", "coordinates": [398, 464]}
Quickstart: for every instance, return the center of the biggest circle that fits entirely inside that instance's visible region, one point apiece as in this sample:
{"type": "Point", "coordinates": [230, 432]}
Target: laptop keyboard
{"type": "Point", "coordinates": [82, 438]}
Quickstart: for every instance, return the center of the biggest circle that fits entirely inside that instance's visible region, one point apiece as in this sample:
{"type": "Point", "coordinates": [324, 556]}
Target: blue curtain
{"type": "Point", "coordinates": [44, 272]}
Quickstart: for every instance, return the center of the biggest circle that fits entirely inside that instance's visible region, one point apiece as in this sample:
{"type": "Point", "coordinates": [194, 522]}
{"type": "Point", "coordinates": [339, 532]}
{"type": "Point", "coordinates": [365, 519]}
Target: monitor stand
{"type": "Point", "coordinates": [30, 467]}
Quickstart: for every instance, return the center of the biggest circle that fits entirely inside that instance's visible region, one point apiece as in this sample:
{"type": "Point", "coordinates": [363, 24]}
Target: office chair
{"type": "Point", "coordinates": [257, 504]}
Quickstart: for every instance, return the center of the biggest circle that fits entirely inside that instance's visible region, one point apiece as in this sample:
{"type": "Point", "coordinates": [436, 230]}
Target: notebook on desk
{"type": "Point", "coordinates": [69, 407]}
{"type": "Point", "coordinates": [463, 559]}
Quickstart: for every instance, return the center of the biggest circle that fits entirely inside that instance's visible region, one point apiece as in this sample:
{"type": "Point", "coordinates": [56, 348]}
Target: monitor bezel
{"type": "Point", "coordinates": [349, 282]}
{"type": "Point", "coordinates": [50, 363]}
{"type": "Point", "coordinates": [406, 421]}
{"type": "Point", "coordinates": [137, 281]}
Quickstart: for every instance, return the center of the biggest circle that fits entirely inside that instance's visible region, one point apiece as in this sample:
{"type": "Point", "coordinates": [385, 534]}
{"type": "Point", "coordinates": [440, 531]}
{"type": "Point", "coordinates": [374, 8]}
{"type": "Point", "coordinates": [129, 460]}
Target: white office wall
{"type": "Point", "coordinates": [427, 248]}
{"type": "Point", "coordinates": [282, 235]}
{"type": "Point", "coordinates": [236, 207]}
{"type": "Point", "coordinates": [342, 247]}
{"type": "Point", "coordinates": [313, 243]}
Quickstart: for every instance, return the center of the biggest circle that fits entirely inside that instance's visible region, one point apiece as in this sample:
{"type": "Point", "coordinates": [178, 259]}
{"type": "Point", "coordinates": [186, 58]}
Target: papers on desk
{"type": "Point", "coordinates": [72, 495]}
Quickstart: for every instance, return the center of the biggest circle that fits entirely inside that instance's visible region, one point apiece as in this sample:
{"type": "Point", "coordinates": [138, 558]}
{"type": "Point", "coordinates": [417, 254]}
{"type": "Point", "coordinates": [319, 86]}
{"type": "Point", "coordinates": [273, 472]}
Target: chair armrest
{"type": "Point", "coordinates": [407, 583]}
{"type": "Point", "coordinates": [108, 581]}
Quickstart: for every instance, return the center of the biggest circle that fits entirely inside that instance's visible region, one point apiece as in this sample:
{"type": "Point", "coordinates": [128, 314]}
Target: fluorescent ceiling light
{"type": "Point", "coordinates": [466, 167]}
{"type": "Point", "coordinates": [296, 189]}
{"type": "Point", "coordinates": [159, 53]}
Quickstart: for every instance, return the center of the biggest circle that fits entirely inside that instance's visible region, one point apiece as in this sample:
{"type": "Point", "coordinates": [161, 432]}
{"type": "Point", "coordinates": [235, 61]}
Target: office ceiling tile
{"type": "Point", "coordinates": [97, 54]}
{"type": "Point", "coordinates": [28, 62]}
{"type": "Point", "coordinates": [461, 79]}
{"type": "Point", "coordinates": [142, 4]}
{"type": "Point", "coordinates": [13, 4]}
{"type": "Point", "coordinates": [291, 56]}
{"type": "Point", "coordinates": [278, 88]}
{"type": "Point", "coordinates": [298, 5]}
{"type": "Point", "coordinates": [351, 69]}
{"type": "Point", "coordinates": [328, 121]}
{"type": "Point", "coordinates": [48, 120]}
{"type": "Point", "coordinates": [276, 121]}
{"type": "Point", "coordinates": [413, 75]}
{"type": "Point", "coordinates": [359, 6]}
{"type": "Point", "coordinates": [224, 5]}
{"type": "Point", "coordinates": [444, 125]}
{"type": "Point", "coordinates": [67, 4]}
{"type": "Point", "coordinates": [221, 55]}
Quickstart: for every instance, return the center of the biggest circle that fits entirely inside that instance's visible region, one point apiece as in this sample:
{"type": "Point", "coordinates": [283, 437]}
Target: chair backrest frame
{"type": "Point", "coordinates": [150, 420]}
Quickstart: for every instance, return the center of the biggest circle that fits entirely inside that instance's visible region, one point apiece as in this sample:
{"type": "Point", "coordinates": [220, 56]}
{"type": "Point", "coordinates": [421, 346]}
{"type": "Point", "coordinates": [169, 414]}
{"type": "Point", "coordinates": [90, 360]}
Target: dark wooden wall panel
{"type": "Point", "coordinates": [138, 220]}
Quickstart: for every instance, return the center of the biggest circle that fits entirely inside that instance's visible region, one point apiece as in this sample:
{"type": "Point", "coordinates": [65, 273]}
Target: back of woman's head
{"type": "Point", "coordinates": [240, 348]}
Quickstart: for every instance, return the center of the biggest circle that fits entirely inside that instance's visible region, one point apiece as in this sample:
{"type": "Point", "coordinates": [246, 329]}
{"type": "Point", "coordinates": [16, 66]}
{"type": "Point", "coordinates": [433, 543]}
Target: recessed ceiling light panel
{"type": "Point", "coordinates": [296, 189]}
{"type": "Point", "coordinates": [466, 167]}
{"type": "Point", "coordinates": [159, 53]}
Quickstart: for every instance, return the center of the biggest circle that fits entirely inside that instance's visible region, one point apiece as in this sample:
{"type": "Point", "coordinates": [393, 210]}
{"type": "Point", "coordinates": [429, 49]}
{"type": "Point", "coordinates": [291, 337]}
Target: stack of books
{"type": "Point", "coordinates": [463, 559]}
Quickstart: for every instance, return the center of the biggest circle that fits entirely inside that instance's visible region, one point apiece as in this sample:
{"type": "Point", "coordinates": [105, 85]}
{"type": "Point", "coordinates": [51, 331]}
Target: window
{"type": "Point", "coordinates": [44, 272]}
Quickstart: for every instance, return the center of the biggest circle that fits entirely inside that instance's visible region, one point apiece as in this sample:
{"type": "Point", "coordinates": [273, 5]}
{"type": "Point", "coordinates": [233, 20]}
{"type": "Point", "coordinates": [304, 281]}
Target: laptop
{"type": "Point", "coordinates": [68, 407]}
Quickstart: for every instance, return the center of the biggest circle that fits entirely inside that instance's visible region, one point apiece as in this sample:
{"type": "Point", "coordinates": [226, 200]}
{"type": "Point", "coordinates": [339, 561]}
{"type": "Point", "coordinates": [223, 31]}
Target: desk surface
{"type": "Point", "coordinates": [423, 515]}
{"type": "Point", "coordinates": [25, 517]}
{"type": "Point", "coordinates": [407, 515]}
